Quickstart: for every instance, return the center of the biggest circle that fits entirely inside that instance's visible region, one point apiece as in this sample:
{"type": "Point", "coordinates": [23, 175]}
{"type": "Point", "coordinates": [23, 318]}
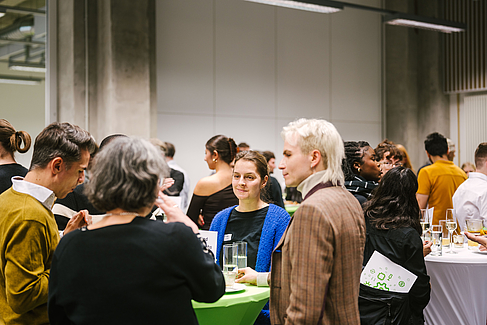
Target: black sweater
{"type": "Point", "coordinates": [144, 272]}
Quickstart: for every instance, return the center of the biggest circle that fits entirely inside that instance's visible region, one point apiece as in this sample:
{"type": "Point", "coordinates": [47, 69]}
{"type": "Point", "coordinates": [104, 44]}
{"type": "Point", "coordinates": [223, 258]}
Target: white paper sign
{"type": "Point", "coordinates": [211, 239]}
{"type": "Point", "coordinates": [383, 274]}
{"type": "Point", "coordinates": [430, 215]}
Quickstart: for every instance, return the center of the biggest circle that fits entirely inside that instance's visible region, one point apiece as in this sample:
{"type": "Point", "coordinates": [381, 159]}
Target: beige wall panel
{"type": "Point", "coordinates": [303, 64]}
{"type": "Point", "coordinates": [245, 58]}
{"type": "Point", "coordinates": [185, 56]}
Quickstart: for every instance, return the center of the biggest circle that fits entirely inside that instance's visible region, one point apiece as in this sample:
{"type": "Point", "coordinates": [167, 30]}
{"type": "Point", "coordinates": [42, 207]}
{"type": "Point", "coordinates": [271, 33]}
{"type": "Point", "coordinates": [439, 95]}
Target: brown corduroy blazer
{"type": "Point", "coordinates": [320, 254]}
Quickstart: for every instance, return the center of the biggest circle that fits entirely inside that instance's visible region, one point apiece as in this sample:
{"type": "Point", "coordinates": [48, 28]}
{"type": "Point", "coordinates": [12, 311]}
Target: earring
{"type": "Point", "coordinates": [358, 169]}
{"type": "Point", "coordinates": [214, 160]}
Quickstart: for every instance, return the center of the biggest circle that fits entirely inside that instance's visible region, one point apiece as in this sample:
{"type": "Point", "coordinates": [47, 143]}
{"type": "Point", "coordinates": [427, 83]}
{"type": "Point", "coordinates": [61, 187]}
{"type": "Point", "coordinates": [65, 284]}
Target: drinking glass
{"type": "Point", "coordinates": [436, 235]}
{"type": "Point", "coordinates": [425, 222]}
{"type": "Point", "coordinates": [458, 241]}
{"type": "Point", "coordinates": [241, 254]}
{"type": "Point", "coordinates": [445, 236]}
{"type": "Point", "coordinates": [230, 264]}
{"type": "Point", "coordinates": [451, 225]}
{"type": "Point", "coordinates": [473, 227]}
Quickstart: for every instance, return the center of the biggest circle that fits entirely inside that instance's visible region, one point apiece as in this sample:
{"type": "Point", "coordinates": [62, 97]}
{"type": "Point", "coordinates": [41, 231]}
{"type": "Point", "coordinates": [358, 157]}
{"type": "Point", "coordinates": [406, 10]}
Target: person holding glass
{"type": "Point", "coordinates": [127, 269]}
{"type": "Point", "coordinates": [361, 170]}
{"type": "Point", "coordinates": [253, 221]}
{"type": "Point", "coordinates": [214, 193]}
{"type": "Point", "coordinates": [392, 220]}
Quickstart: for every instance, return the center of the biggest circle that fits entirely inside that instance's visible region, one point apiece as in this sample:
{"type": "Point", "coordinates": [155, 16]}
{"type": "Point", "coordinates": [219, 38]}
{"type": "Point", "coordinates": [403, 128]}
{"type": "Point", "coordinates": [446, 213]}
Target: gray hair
{"type": "Point", "coordinates": [311, 134]}
{"type": "Point", "coordinates": [126, 175]}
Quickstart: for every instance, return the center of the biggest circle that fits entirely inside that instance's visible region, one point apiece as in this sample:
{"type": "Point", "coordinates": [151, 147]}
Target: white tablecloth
{"type": "Point", "coordinates": [458, 288]}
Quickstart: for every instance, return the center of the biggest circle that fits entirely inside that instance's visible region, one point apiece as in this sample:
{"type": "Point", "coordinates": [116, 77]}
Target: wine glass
{"type": "Point", "coordinates": [451, 225]}
{"type": "Point", "coordinates": [425, 222]}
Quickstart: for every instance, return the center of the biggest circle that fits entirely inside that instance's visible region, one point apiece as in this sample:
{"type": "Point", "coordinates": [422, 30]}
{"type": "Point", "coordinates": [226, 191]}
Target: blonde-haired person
{"type": "Point", "coordinates": [10, 142]}
{"type": "Point", "coordinates": [468, 167]}
{"type": "Point", "coordinates": [406, 161]}
{"type": "Point", "coordinates": [315, 269]}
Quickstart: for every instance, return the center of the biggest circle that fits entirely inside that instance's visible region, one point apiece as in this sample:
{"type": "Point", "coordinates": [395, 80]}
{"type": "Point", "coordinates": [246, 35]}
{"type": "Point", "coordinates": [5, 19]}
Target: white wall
{"type": "Point", "coordinates": [245, 70]}
{"type": "Point", "coordinates": [23, 107]}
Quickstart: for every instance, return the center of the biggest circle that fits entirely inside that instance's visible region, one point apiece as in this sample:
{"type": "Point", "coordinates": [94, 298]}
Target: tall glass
{"type": "Point", "coordinates": [241, 254]}
{"type": "Point", "coordinates": [230, 268]}
{"type": "Point", "coordinates": [436, 236]}
{"type": "Point", "coordinates": [451, 225]}
{"type": "Point", "coordinates": [425, 222]}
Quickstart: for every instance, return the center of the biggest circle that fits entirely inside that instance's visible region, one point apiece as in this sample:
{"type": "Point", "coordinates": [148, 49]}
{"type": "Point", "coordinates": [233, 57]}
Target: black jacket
{"type": "Point", "coordinates": [403, 246]}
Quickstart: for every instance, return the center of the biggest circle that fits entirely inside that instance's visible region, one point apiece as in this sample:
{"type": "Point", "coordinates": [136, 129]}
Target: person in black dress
{"type": "Point", "coordinates": [393, 230]}
{"type": "Point", "coordinates": [10, 142]}
{"type": "Point", "coordinates": [214, 193]}
{"type": "Point", "coordinates": [127, 269]}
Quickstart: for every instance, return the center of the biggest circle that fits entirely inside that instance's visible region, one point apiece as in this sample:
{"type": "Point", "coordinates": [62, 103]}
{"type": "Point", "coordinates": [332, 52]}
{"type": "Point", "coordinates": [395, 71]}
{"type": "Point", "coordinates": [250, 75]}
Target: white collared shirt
{"type": "Point", "coordinates": [40, 193]}
{"type": "Point", "coordinates": [305, 186]}
{"type": "Point", "coordinates": [470, 199]}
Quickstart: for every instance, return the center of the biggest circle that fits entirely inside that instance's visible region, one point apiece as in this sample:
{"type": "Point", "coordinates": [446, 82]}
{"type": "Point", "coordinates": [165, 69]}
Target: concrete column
{"type": "Point", "coordinates": [415, 102]}
{"type": "Point", "coordinates": [113, 58]}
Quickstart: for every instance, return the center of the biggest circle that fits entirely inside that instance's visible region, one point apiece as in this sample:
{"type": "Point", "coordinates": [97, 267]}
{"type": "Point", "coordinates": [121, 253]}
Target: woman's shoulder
{"type": "Point", "coordinates": [207, 186]}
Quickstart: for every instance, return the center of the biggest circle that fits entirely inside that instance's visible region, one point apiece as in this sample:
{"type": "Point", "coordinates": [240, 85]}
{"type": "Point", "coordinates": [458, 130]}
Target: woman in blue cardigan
{"type": "Point", "coordinates": [253, 221]}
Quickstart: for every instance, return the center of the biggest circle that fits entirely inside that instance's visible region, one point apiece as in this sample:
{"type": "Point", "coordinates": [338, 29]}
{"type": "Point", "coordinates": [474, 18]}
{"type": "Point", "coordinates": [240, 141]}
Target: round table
{"type": "Point", "coordinates": [291, 208]}
{"type": "Point", "coordinates": [239, 308]}
{"type": "Point", "coordinates": [458, 288]}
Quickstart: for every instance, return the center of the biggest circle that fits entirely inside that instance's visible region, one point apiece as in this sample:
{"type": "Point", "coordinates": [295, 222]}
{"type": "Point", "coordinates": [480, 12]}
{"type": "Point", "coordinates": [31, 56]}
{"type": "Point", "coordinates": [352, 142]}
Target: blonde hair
{"type": "Point", "coordinates": [405, 156]}
{"type": "Point", "coordinates": [311, 134]}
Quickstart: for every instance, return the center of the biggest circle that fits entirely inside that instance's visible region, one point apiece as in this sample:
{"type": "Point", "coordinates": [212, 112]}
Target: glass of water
{"type": "Point", "coordinates": [241, 254]}
{"type": "Point", "coordinates": [425, 222]}
{"type": "Point", "coordinates": [436, 236]}
{"type": "Point", "coordinates": [230, 267]}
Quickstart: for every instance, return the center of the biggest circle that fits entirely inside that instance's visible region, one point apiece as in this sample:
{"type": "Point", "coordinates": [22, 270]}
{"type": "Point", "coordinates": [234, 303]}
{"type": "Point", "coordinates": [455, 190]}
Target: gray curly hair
{"type": "Point", "coordinates": [126, 175]}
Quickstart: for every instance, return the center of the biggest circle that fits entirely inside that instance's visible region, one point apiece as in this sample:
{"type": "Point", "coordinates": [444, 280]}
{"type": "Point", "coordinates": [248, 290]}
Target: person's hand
{"type": "Point", "coordinates": [479, 239]}
{"type": "Point", "coordinates": [168, 182]}
{"type": "Point", "coordinates": [173, 212]}
{"type": "Point", "coordinates": [427, 247]}
{"type": "Point", "coordinates": [247, 275]}
{"type": "Point", "coordinates": [201, 220]}
{"type": "Point", "coordinates": [79, 220]}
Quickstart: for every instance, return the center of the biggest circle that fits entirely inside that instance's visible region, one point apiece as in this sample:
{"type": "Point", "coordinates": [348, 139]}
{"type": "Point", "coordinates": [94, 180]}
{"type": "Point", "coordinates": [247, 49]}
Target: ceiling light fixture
{"type": "Point", "coordinates": [19, 80]}
{"type": "Point", "coordinates": [391, 18]}
{"type": "Point", "coordinates": [25, 66]}
{"type": "Point", "coordinates": [428, 23]}
{"type": "Point", "coordinates": [322, 6]}
{"type": "Point", "coordinates": [2, 12]}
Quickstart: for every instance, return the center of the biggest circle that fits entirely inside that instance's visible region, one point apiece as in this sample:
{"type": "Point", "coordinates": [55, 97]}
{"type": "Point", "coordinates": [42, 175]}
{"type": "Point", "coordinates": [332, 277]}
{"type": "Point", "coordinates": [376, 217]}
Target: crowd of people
{"type": "Point", "coordinates": [58, 266]}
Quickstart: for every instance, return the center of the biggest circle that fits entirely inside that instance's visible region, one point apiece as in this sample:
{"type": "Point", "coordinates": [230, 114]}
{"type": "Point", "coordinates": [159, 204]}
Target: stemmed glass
{"type": "Point", "coordinates": [425, 222]}
{"type": "Point", "coordinates": [451, 225]}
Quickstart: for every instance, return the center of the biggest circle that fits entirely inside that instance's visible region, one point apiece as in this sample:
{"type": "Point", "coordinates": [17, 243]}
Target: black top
{"type": "Point", "coordinates": [292, 194]}
{"type": "Point", "coordinates": [143, 272]}
{"type": "Point", "coordinates": [177, 187]}
{"type": "Point", "coordinates": [273, 192]}
{"type": "Point", "coordinates": [211, 205]}
{"type": "Point", "coordinates": [360, 188]}
{"type": "Point", "coordinates": [76, 201]}
{"type": "Point", "coordinates": [7, 172]}
{"type": "Point", "coordinates": [247, 227]}
{"type": "Point", "coordinates": [404, 247]}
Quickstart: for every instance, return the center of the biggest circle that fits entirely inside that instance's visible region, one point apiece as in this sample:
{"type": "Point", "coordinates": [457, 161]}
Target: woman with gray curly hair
{"type": "Point", "coordinates": [127, 269]}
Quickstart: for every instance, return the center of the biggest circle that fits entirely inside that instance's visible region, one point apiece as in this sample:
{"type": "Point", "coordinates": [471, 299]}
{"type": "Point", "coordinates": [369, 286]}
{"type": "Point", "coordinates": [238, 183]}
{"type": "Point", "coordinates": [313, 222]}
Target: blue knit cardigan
{"type": "Point", "coordinates": [275, 224]}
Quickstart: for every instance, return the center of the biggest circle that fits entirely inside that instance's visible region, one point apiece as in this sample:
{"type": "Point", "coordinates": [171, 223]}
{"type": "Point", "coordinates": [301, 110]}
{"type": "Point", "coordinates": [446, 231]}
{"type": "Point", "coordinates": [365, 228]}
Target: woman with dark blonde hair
{"type": "Point", "coordinates": [10, 142]}
{"type": "Point", "coordinates": [253, 221]}
{"type": "Point", "coordinates": [214, 193]}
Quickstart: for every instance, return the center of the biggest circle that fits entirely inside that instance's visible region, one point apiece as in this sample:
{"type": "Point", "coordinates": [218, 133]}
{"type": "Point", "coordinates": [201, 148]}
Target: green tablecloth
{"type": "Point", "coordinates": [240, 308]}
{"type": "Point", "coordinates": [291, 209]}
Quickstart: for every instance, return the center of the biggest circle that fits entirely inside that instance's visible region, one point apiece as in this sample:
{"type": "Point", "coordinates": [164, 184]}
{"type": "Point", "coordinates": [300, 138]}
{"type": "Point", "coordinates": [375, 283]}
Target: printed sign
{"type": "Point", "coordinates": [383, 274]}
{"type": "Point", "coordinates": [211, 239]}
